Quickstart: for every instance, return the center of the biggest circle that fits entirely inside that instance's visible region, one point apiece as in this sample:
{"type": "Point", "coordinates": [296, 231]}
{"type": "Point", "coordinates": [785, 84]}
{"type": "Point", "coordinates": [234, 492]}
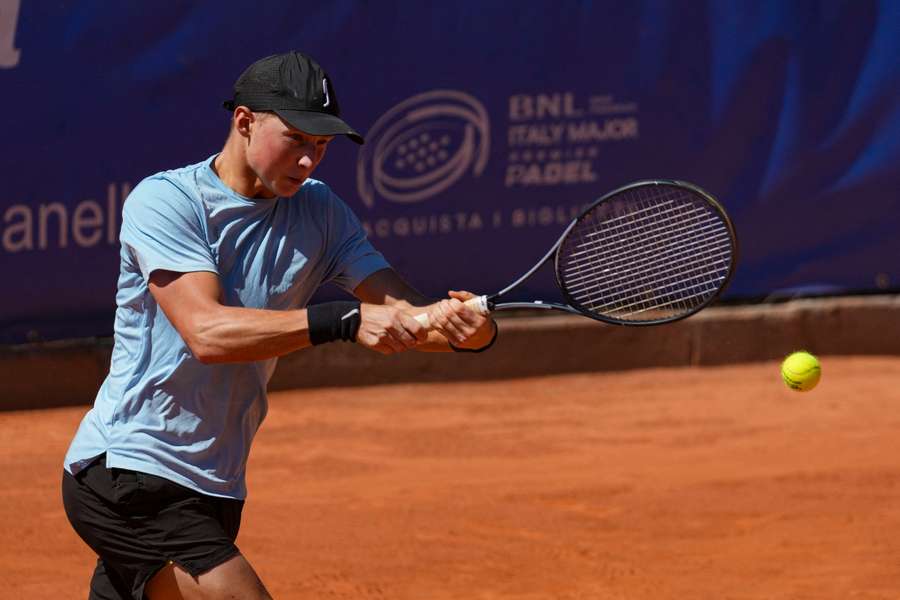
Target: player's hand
{"type": "Point", "coordinates": [388, 329]}
{"type": "Point", "coordinates": [462, 326]}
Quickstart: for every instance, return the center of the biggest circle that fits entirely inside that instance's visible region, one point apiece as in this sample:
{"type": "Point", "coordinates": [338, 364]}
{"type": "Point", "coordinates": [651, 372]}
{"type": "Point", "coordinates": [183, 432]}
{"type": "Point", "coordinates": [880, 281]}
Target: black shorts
{"type": "Point", "coordinates": [139, 523]}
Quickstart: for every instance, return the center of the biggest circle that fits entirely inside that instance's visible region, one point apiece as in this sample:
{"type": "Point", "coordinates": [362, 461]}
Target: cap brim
{"type": "Point", "coordinates": [318, 123]}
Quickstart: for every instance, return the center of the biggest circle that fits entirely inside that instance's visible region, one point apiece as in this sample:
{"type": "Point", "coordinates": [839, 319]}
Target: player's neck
{"type": "Point", "coordinates": [232, 168]}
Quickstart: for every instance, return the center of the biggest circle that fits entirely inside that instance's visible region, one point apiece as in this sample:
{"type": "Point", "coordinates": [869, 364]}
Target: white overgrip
{"type": "Point", "coordinates": [479, 304]}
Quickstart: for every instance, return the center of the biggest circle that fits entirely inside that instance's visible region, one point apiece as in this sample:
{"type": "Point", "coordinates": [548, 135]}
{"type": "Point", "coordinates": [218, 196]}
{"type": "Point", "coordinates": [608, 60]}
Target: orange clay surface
{"type": "Point", "coordinates": [687, 484]}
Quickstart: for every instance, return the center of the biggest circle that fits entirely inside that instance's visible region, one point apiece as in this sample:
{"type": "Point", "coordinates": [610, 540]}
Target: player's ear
{"type": "Point", "coordinates": [243, 120]}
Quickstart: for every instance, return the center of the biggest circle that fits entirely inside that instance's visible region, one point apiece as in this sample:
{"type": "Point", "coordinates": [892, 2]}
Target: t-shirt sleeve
{"type": "Point", "coordinates": [161, 227]}
{"type": "Point", "coordinates": [352, 257]}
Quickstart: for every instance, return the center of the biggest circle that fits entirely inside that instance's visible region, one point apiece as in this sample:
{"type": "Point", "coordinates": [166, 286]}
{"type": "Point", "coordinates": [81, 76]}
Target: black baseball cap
{"type": "Point", "coordinates": [297, 89]}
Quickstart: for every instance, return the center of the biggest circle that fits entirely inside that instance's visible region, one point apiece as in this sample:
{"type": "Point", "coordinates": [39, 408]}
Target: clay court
{"type": "Point", "coordinates": [680, 483]}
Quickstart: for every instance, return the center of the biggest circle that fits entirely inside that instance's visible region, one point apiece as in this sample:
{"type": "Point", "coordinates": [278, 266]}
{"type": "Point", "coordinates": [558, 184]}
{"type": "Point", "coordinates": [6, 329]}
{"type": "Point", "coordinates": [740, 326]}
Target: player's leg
{"type": "Point", "coordinates": [90, 511]}
{"type": "Point", "coordinates": [107, 585]}
{"type": "Point", "coordinates": [234, 578]}
{"type": "Point", "coordinates": [139, 523]}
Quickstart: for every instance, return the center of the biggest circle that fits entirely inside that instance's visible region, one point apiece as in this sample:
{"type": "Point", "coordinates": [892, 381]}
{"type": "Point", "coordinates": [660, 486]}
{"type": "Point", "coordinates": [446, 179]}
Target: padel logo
{"type": "Point", "coordinates": [422, 146]}
{"type": "Point", "coordinates": [9, 15]}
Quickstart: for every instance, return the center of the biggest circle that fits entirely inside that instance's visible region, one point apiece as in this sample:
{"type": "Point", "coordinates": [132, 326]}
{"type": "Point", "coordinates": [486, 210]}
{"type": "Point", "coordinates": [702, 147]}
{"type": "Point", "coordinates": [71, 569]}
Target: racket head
{"type": "Point", "coordinates": [648, 253]}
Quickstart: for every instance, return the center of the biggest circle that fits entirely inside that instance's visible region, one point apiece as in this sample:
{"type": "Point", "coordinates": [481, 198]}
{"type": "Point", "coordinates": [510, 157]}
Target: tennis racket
{"type": "Point", "coordinates": [648, 253]}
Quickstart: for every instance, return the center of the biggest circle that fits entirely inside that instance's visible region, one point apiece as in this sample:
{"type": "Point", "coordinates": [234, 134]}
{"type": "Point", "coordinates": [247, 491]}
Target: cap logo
{"type": "Point", "coordinates": [325, 87]}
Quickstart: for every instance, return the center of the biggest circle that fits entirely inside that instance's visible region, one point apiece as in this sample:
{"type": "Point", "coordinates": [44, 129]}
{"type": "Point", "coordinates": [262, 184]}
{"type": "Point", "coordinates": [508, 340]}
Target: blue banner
{"type": "Point", "coordinates": [489, 126]}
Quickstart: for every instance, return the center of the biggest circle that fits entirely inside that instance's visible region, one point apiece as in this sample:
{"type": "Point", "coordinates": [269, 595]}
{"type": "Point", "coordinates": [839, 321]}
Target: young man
{"type": "Point", "coordinates": [218, 261]}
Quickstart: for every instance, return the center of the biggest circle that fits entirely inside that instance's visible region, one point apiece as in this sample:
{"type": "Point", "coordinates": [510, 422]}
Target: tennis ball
{"type": "Point", "coordinates": [801, 371]}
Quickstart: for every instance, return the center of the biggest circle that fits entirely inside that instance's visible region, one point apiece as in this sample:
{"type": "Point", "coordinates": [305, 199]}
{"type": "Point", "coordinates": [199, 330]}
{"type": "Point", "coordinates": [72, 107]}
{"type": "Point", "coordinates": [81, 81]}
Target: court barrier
{"type": "Point", "coordinates": [70, 372]}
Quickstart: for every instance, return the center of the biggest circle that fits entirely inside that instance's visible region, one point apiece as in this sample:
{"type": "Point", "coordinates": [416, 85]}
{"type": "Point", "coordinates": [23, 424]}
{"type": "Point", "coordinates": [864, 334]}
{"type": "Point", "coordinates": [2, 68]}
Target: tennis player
{"type": "Point", "coordinates": [218, 262]}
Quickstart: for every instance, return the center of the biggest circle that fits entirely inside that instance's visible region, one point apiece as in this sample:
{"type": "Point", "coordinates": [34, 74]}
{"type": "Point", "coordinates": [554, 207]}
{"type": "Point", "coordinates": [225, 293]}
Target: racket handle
{"type": "Point", "coordinates": [478, 304]}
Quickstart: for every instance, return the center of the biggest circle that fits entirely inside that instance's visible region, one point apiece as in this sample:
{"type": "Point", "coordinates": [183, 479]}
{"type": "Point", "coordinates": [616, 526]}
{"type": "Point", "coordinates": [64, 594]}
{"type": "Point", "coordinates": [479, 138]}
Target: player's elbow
{"type": "Point", "coordinates": [210, 353]}
{"type": "Point", "coordinates": [203, 351]}
{"type": "Point", "coordinates": [206, 354]}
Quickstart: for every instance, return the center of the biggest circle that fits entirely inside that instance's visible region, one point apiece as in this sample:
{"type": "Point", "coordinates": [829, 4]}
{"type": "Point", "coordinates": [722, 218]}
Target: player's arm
{"type": "Point", "coordinates": [216, 333]}
{"type": "Point", "coordinates": [453, 322]}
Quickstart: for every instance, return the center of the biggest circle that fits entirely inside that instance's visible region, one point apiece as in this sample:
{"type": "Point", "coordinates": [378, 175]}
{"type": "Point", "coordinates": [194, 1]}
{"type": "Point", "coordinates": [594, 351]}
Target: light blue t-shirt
{"type": "Point", "coordinates": [160, 410]}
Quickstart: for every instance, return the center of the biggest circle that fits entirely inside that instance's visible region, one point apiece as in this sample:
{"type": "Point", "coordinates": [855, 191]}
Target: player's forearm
{"type": "Point", "coordinates": [231, 334]}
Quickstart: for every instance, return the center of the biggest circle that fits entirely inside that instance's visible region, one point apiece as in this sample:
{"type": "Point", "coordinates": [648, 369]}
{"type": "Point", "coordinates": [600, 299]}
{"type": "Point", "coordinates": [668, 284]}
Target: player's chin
{"type": "Point", "coordinates": [288, 186]}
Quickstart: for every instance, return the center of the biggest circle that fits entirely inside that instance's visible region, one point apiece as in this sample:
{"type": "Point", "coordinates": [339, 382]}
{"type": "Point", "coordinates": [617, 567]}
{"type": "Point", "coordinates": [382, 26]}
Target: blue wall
{"type": "Point", "coordinates": [488, 124]}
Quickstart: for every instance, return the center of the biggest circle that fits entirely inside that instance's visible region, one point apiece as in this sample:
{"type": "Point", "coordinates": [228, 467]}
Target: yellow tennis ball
{"type": "Point", "coordinates": [801, 371]}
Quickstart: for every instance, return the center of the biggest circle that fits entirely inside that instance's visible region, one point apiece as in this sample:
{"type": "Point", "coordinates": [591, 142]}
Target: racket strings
{"type": "Point", "coordinates": [648, 214]}
{"type": "Point", "coordinates": [679, 257]}
{"type": "Point", "coordinates": [650, 254]}
{"type": "Point", "coordinates": [697, 235]}
{"type": "Point", "coordinates": [647, 292]}
{"type": "Point", "coordinates": [679, 287]}
{"type": "Point", "coordinates": [650, 279]}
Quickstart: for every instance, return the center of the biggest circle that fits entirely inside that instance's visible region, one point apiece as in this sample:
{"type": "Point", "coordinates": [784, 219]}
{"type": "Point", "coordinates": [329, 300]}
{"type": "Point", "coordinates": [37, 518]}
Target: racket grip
{"type": "Point", "coordinates": [478, 304]}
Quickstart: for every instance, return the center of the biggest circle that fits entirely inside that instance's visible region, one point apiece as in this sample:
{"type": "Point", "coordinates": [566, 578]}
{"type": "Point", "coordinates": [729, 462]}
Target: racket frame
{"type": "Point", "coordinates": [573, 306]}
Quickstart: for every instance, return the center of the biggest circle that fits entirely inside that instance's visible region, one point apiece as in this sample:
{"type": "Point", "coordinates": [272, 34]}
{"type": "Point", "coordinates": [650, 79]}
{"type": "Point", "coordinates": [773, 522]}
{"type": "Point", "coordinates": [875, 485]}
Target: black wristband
{"type": "Point", "coordinates": [483, 348]}
{"type": "Point", "coordinates": [332, 321]}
